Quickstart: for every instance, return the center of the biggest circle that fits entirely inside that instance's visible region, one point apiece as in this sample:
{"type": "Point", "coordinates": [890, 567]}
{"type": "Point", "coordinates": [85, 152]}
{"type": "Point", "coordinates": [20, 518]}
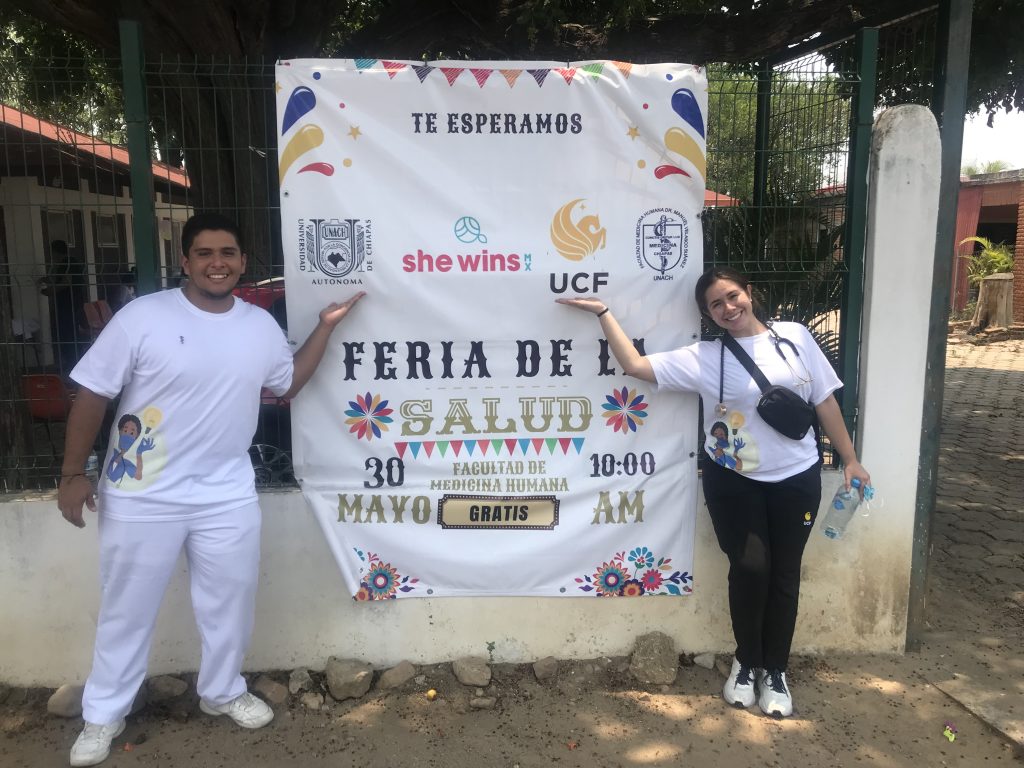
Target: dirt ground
{"type": "Point", "coordinates": [850, 710]}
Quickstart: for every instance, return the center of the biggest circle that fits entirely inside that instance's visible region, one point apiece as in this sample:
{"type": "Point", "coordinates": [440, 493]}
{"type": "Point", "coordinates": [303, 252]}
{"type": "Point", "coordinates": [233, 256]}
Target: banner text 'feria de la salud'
{"type": "Point", "coordinates": [465, 434]}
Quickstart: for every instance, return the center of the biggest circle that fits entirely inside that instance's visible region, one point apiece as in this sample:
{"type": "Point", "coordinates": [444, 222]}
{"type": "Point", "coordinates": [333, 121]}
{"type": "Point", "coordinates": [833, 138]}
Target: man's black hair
{"type": "Point", "coordinates": [204, 221]}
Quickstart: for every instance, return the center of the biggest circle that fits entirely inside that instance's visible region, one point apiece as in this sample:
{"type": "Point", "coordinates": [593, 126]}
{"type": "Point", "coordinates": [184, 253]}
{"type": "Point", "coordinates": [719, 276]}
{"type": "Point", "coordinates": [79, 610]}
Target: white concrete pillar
{"type": "Point", "coordinates": [903, 203]}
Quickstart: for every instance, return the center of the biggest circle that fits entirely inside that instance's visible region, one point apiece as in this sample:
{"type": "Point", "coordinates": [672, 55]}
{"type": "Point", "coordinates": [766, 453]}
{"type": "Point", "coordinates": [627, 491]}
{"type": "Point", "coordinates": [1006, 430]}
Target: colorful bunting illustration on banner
{"type": "Point", "coordinates": [524, 446]}
{"type": "Point", "coordinates": [567, 74]}
{"type": "Point", "coordinates": [452, 74]}
{"type": "Point", "coordinates": [392, 68]}
{"type": "Point", "coordinates": [540, 75]}
{"type": "Point", "coordinates": [481, 75]}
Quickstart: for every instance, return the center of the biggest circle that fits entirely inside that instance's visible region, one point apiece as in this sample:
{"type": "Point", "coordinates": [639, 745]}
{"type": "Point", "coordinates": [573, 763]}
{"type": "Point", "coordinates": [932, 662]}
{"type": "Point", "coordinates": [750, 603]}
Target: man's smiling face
{"type": "Point", "coordinates": [214, 264]}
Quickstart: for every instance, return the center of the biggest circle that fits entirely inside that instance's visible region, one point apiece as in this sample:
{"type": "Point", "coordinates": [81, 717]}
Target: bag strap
{"type": "Point", "coordinates": [745, 361]}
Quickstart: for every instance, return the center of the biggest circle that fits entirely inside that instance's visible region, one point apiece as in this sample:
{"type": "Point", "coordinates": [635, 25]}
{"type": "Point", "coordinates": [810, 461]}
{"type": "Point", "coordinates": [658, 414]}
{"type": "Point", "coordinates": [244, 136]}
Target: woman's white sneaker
{"type": "Point", "coordinates": [93, 744]}
{"type": "Point", "coordinates": [246, 710]}
{"type": "Point", "coordinates": [775, 699]}
{"type": "Point", "coordinates": [739, 688]}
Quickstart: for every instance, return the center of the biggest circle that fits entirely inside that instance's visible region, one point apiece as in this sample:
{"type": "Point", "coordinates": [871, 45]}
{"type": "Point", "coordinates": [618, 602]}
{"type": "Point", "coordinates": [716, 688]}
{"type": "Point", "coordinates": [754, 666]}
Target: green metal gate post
{"type": "Point", "coordinates": [952, 56]}
{"type": "Point", "coordinates": [762, 140]}
{"type": "Point", "coordinates": [141, 171]}
{"type": "Point", "coordinates": [862, 116]}
{"type": "Point", "coordinates": [762, 135]}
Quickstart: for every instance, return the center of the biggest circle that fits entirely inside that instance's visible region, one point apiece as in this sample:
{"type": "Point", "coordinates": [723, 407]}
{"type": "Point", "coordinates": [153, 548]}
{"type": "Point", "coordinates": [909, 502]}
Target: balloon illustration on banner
{"type": "Point", "coordinates": [682, 144]}
{"type": "Point", "coordinates": [685, 105]}
{"type": "Point", "coordinates": [325, 168]}
{"type": "Point", "coordinates": [576, 241]}
{"type": "Point", "coordinates": [299, 103]}
{"type": "Point", "coordinates": [309, 137]}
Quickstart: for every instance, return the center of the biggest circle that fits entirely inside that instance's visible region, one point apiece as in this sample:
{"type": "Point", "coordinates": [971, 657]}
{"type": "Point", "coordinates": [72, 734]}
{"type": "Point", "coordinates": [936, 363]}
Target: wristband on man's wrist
{"type": "Point", "coordinates": [606, 309]}
{"type": "Point", "coordinates": [64, 477]}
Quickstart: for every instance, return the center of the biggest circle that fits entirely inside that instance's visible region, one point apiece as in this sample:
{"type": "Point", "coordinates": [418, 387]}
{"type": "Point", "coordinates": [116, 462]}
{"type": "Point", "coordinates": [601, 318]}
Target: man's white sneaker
{"type": "Point", "coordinates": [739, 688]}
{"type": "Point", "coordinates": [246, 710]}
{"type": "Point", "coordinates": [775, 700]}
{"type": "Point", "coordinates": [93, 744]}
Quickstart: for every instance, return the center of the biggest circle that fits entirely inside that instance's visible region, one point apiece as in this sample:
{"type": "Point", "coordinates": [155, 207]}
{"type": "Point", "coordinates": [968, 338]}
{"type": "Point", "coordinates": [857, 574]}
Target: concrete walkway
{"type": "Point", "coordinates": [979, 517]}
{"type": "Point", "coordinates": [976, 575]}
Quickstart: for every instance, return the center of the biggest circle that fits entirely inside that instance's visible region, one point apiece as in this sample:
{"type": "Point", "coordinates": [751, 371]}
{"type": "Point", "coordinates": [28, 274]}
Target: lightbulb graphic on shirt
{"type": "Point", "coordinates": [152, 417]}
{"type": "Point", "coordinates": [736, 421]}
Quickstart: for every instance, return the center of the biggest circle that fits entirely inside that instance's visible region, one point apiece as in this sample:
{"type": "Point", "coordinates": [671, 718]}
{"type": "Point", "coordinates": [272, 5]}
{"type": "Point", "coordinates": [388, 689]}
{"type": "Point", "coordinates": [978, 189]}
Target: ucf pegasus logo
{"type": "Point", "coordinates": [575, 240]}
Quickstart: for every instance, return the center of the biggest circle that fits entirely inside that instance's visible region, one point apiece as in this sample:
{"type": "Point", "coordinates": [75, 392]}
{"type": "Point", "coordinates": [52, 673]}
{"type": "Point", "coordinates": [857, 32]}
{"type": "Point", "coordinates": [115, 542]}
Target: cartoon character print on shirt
{"type": "Point", "coordinates": [136, 455]}
{"type": "Point", "coordinates": [731, 446]}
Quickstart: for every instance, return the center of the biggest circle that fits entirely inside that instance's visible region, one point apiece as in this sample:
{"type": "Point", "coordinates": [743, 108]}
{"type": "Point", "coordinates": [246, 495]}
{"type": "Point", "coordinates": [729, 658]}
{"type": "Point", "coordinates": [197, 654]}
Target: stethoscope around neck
{"type": "Point", "coordinates": [777, 342]}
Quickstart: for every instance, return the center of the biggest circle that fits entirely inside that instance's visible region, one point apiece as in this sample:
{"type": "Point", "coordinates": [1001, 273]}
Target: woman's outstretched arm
{"type": "Point", "coordinates": [633, 363]}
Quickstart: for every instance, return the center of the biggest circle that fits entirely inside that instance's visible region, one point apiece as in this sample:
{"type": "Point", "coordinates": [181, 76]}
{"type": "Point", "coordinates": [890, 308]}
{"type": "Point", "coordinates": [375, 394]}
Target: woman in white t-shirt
{"type": "Point", "coordinates": [762, 488]}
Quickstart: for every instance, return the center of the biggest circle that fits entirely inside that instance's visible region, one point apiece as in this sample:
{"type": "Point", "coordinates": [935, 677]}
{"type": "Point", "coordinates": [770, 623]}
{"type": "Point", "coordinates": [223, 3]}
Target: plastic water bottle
{"type": "Point", "coordinates": [844, 504]}
{"type": "Point", "coordinates": [92, 469]}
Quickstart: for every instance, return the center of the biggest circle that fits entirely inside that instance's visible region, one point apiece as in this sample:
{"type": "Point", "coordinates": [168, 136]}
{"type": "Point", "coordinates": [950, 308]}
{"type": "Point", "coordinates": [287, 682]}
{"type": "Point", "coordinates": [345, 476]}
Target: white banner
{"type": "Point", "coordinates": [465, 434]}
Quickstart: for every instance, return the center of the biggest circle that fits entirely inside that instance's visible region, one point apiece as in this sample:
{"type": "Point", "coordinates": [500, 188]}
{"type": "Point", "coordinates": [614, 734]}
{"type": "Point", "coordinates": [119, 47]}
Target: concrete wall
{"type": "Point", "coordinates": [854, 591]}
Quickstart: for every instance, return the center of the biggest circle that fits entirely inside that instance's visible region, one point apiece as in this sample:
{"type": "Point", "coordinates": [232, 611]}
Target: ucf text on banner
{"type": "Point", "coordinates": [465, 434]}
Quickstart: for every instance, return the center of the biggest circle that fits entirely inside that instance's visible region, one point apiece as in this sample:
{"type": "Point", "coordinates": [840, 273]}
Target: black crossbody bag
{"type": "Point", "coordinates": [781, 408]}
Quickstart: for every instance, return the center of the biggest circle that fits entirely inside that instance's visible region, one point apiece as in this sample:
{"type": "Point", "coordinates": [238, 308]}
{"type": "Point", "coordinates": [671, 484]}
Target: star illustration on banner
{"type": "Point", "coordinates": [633, 132]}
{"type": "Point", "coordinates": [277, 87]}
{"type": "Point", "coordinates": [354, 132]}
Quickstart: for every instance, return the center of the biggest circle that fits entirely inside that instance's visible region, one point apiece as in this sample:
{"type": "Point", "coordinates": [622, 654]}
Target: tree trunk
{"type": "Point", "coordinates": [223, 114]}
{"type": "Point", "coordinates": [995, 303]}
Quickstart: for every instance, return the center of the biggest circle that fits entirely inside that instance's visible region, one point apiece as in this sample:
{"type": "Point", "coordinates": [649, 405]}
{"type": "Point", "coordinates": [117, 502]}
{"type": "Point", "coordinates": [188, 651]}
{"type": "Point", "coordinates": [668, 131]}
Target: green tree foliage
{"type": "Point", "coordinates": [806, 143]}
{"type": "Point", "coordinates": [60, 77]}
{"type": "Point", "coordinates": [989, 259]}
{"type": "Point", "coordinates": [992, 166]}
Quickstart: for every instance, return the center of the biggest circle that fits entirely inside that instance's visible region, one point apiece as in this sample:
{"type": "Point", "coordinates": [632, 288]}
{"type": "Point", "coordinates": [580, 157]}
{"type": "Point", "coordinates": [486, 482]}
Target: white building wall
{"type": "Point", "coordinates": [854, 594]}
{"type": "Point", "coordinates": [23, 200]}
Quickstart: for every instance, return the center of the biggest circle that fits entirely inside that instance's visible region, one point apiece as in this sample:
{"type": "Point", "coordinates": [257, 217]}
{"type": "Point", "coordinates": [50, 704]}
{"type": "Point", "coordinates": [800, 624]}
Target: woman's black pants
{"type": "Point", "coordinates": [762, 528]}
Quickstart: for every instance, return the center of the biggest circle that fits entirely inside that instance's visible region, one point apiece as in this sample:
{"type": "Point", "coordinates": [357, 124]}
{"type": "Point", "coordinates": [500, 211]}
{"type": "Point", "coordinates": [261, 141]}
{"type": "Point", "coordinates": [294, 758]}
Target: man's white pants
{"type": "Point", "coordinates": [137, 560]}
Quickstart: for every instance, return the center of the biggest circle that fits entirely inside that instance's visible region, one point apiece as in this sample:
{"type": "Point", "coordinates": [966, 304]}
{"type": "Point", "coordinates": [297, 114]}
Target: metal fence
{"type": "Point", "coordinates": [786, 172]}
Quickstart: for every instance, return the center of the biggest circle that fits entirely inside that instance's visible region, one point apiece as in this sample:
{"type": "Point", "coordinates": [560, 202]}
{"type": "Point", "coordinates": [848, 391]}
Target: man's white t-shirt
{"type": "Point", "coordinates": [190, 386]}
{"type": "Point", "coordinates": [740, 439]}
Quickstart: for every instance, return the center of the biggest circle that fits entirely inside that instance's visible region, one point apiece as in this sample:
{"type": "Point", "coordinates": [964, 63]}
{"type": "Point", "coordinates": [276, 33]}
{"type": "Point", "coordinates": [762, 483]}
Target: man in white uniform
{"type": "Point", "coordinates": [189, 364]}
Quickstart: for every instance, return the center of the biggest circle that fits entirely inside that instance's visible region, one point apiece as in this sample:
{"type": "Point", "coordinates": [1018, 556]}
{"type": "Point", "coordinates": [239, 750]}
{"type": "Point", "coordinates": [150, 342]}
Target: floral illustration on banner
{"type": "Point", "coordinates": [638, 573]}
{"type": "Point", "coordinates": [624, 410]}
{"type": "Point", "coordinates": [379, 580]}
{"type": "Point", "coordinates": [368, 416]}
